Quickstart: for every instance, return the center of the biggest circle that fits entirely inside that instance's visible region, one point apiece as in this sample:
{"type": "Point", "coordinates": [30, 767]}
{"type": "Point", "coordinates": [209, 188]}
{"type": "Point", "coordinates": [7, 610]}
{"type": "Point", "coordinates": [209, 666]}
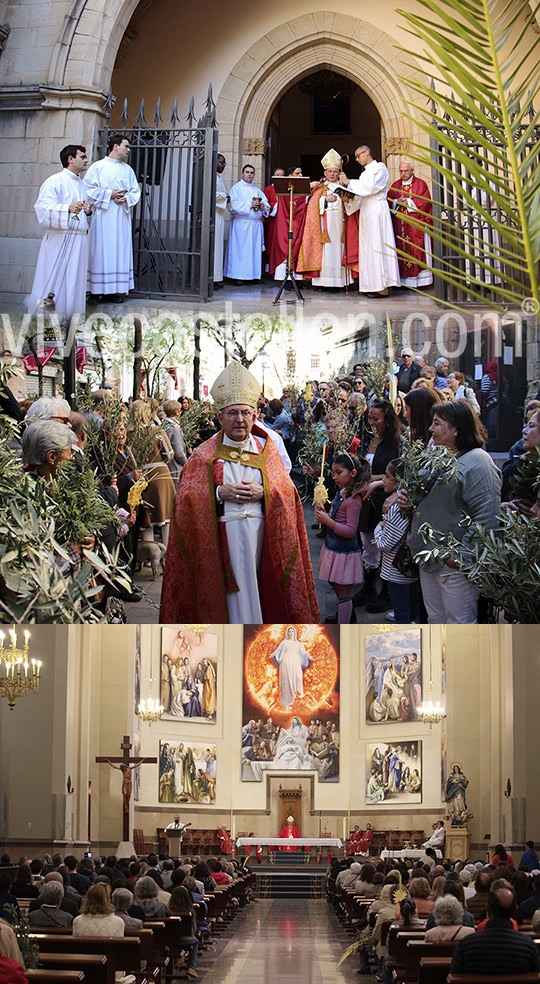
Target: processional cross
{"type": "Point", "coordinates": [128, 763]}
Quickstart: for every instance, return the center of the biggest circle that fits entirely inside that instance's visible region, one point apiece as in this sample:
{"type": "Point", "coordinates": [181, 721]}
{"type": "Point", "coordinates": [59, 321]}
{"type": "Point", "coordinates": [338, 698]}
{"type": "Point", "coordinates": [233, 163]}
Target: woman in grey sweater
{"type": "Point", "coordinates": [448, 595]}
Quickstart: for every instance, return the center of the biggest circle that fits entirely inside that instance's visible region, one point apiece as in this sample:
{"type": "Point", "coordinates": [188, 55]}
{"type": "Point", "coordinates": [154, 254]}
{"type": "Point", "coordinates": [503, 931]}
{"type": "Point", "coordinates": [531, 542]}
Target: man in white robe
{"type": "Point", "coordinates": [62, 264]}
{"type": "Point", "coordinates": [378, 267]}
{"type": "Point", "coordinates": [222, 199]}
{"type": "Point", "coordinates": [249, 206]}
{"type": "Point", "coordinates": [113, 190]}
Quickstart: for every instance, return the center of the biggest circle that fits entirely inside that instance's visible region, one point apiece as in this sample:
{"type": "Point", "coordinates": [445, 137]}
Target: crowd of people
{"type": "Point", "coordinates": [362, 231]}
{"type": "Point", "coordinates": [105, 896]}
{"type": "Point", "coordinates": [485, 905]}
{"type": "Point", "coordinates": [391, 464]}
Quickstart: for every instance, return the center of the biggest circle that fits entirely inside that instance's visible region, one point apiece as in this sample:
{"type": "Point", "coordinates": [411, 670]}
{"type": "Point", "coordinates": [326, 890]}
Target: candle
{"type": "Point", "coordinates": [344, 828]}
{"type": "Point", "coordinates": [323, 457]}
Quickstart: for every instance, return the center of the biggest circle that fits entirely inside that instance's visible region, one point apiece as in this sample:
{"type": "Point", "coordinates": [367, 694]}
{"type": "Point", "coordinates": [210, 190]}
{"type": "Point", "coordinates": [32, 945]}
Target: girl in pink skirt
{"type": "Point", "coordinates": [340, 562]}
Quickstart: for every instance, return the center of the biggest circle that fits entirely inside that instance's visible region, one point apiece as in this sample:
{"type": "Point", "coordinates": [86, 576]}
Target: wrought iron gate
{"type": "Point", "coordinates": [174, 221]}
{"type": "Point", "coordinates": [451, 207]}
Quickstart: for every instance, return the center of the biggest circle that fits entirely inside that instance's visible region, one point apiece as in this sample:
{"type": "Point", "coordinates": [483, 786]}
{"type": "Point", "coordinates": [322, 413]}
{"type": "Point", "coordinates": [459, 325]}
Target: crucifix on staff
{"type": "Point", "coordinates": [126, 765]}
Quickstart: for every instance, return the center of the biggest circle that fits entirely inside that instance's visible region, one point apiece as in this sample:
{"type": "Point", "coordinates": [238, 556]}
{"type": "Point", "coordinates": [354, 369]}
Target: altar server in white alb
{"type": "Point", "coordinates": [62, 266]}
{"type": "Point", "coordinates": [378, 267]}
{"type": "Point", "coordinates": [249, 206]}
{"type": "Point", "coordinates": [113, 191]}
{"type": "Point", "coordinates": [222, 200]}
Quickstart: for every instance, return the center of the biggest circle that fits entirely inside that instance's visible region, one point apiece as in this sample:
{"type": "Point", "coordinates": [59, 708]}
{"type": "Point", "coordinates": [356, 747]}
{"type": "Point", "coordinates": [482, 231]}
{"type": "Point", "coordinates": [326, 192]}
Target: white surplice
{"type": "Point", "coordinates": [221, 208]}
{"type": "Point", "coordinates": [111, 247]}
{"type": "Point", "coordinates": [244, 524]}
{"type": "Point", "coordinates": [246, 235]}
{"type": "Point", "coordinates": [63, 256]}
{"type": "Point", "coordinates": [377, 258]}
{"type": "Point", "coordinates": [333, 273]}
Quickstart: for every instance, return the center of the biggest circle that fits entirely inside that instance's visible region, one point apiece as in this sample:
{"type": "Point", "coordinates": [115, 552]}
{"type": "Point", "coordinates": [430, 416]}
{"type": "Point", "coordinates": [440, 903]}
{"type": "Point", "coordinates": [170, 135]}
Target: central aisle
{"type": "Point", "coordinates": [290, 941]}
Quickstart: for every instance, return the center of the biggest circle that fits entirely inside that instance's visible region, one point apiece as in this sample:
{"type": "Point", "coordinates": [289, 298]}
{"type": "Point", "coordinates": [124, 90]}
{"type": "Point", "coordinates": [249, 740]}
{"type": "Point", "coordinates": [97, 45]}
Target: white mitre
{"type": "Point", "coordinates": [235, 385]}
{"type": "Point", "coordinates": [331, 159]}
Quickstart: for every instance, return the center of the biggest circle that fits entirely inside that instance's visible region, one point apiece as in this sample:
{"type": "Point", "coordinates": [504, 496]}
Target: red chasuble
{"type": "Point", "coordinates": [410, 238]}
{"type": "Point", "coordinates": [224, 836]}
{"type": "Point", "coordinates": [316, 235]}
{"type": "Point", "coordinates": [269, 224]}
{"type": "Point", "coordinates": [280, 241]}
{"type": "Point", "coordinates": [198, 573]}
{"type": "Point", "coordinates": [289, 831]}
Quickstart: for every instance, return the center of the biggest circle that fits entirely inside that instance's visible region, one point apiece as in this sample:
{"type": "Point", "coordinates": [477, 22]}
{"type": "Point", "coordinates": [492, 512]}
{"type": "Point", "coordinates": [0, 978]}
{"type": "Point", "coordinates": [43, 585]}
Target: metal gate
{"type": "Point", "coordinates": [174, 221]}
{"type": "Point", "coordinates": [472, 232]}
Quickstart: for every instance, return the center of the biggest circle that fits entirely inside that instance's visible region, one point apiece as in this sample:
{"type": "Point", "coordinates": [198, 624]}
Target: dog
{"type": "Point", "coordinates": [149, 551]}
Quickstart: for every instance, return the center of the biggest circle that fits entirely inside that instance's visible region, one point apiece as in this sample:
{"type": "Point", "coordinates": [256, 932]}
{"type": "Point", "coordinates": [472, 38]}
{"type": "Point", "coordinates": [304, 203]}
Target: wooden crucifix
{"type": "Point", "coordinates": [127, 764]}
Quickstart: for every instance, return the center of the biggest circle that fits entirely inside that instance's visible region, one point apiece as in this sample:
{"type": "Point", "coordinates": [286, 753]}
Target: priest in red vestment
{"type": "Point", "coordinates": [270, 221]}
{"type": "Point", "coordinates": [279, 251]}
{"type": "Point", "coordinates": [290, 831]}
{"type": "Point", "coordinates": [328, 253]}
{"type": "Point", "coordinates": [409, 198]}
{"type": "Point", "coordinates": [238, 551]}
{"type": "Point", "coordinates": [225, 839]}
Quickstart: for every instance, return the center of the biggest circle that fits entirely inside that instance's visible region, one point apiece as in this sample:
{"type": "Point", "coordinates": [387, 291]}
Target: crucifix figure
{"type": "Point", "coordinates": [126, 766]}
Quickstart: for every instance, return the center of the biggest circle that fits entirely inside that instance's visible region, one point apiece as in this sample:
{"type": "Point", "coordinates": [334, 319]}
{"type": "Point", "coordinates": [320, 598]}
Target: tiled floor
{"type": "Point", "coordinates": [290, 941]}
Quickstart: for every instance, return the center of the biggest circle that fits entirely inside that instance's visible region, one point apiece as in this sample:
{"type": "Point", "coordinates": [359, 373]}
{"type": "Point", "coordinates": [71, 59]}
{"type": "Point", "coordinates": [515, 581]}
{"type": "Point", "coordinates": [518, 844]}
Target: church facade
{"type": "Point", "coordinates": [59, 58]}
{"type": "Point", "coordinates": [55, 795]}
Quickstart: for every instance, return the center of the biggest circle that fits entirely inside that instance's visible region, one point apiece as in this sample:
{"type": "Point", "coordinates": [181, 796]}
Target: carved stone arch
{"type": "Point", "coordinates": [345, 44]}
{"type": "Point", "coordinates": [85, 53]}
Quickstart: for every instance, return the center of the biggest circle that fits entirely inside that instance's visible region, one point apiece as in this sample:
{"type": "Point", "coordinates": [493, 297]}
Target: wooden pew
{"type": "Point", "coordinates": [122, 952]}
{"type": "Point", "coordinates": [493, 978]}
{"type": "Point", "coordinates": [92, 965]}
{"type": "Point", "coordinates": [55, 976]}
{"type": "Point", "coordinates": [434, 970]}
{"type": "Point", "coordinates": [416, 949]}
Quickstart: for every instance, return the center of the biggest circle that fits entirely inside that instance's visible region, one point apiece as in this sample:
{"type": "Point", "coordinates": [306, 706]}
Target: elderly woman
{"type": "Point", "coordinates": [49, 408]}
{"type": "Point", "coordinates": [181, 905]}
{"type": "Point", "coordinates": [448, 595]}
{"type": "Point", "coordinates": [122, 900]}
{"type": "Point", "coordinates": [146, 895]}
{"type": "Point", "coordinates": [458, 384]}
{"type": "Point", "coordinates": [45, 444]}
{"type": "Point", "coordinates": [49, 912]}
{"type": "Point", "coordinates": [448, 915]}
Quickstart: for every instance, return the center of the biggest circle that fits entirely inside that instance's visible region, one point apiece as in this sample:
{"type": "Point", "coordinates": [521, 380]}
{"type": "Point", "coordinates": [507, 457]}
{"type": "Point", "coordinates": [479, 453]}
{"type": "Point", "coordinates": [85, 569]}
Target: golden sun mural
{"type": "Point", "coordinates": [319, 678]}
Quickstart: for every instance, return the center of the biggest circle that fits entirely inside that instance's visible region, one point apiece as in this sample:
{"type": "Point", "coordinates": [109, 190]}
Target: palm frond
{"type": "Point", "coordinates": [484, 133]}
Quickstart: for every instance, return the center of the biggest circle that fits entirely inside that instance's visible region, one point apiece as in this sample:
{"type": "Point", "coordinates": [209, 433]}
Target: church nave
{"type": "Point", "coordinates": [293, 941]}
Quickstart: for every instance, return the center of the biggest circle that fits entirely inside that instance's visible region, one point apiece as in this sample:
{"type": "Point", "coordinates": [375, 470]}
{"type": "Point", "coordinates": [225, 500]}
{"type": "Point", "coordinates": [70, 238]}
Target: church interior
{"type": "Point", "coordinates": [54, 795]}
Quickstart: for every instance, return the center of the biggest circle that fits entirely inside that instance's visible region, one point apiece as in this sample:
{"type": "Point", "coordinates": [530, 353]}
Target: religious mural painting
{"type": "Point", "coordinates": [291, 700]}
{"type": "Point", "coordinates": [393, 676]}
{"type": "Point", "coordinates": [393, 772]}
{"type": "Point", "coordinates": [187, 773]}
{"type": "Point", "coordinates": [189, 663]}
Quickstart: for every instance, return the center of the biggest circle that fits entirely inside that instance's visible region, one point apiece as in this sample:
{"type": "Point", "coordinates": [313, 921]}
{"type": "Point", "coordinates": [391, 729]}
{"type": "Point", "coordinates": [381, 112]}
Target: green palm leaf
{"type": "Point", "coordinates": [484, 135]}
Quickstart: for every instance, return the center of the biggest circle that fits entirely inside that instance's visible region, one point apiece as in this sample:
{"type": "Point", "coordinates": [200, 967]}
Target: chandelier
{"type": "Point", "coordinates": [428, 712]}
{"type": "Point", "coordinates": [150, 710]}
{"type": "Point", "coordinates": [20, 674]}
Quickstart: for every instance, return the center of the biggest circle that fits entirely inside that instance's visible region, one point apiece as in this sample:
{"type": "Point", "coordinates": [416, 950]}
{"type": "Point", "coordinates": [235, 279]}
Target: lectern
{"type": "Point", "coordinates": [290, 186]}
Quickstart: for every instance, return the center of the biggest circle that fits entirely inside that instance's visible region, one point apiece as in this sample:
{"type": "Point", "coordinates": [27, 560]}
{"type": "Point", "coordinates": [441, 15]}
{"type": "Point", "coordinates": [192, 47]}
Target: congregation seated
{"type": "Point", "coordinates": [408, 918]}
{"type": "Point", "coordinates": [201, 873]}
{"type": "Point", "coordinates": [67, 904]}
{"type": "Point", "coordinates": [49, 912]}
{"type": "Point", "coordinates": [419, 890]}
{"type": "Point", "coordinates": [77, 879]}
{"type": "Point", "coordinates": [22, 886]}
{"type": "Point", "coordinates": [9, 946]}
{"type": "Point", "coordinates": [6, 895]}
{"type": "Point", "coordinates": [498, 949]}
{"type": "Point", "coordinates": [98, 919]}
{"type": "Point", "coordinates": [182, 904]}
{"type": "Point", "coordinates": [477, 904]}
{"type": "Point", "coordinates": [218, 874]}
{"type": "Point", "coordinates": [162, 895]}
{"type": "Point", "coordinates": [122, 900]}
{"type": "Point", "coordinates": [529, 906]}
{"type": "Point", "coordinates": [146, 895]}
{"type": "Point", "coordinates": [454, 888]}
{"type": "Point", "coordinates": [448, 916]}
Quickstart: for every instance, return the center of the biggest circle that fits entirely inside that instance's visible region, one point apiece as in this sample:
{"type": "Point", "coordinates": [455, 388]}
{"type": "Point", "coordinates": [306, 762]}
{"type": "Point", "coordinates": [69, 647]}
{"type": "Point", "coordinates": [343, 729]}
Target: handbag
{"type": "Point", "coordinates": [403, 560]}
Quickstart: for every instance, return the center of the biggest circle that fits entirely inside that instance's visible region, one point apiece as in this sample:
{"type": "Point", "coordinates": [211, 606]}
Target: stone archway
{"type": "Point", "coordinates": [355, 48]}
